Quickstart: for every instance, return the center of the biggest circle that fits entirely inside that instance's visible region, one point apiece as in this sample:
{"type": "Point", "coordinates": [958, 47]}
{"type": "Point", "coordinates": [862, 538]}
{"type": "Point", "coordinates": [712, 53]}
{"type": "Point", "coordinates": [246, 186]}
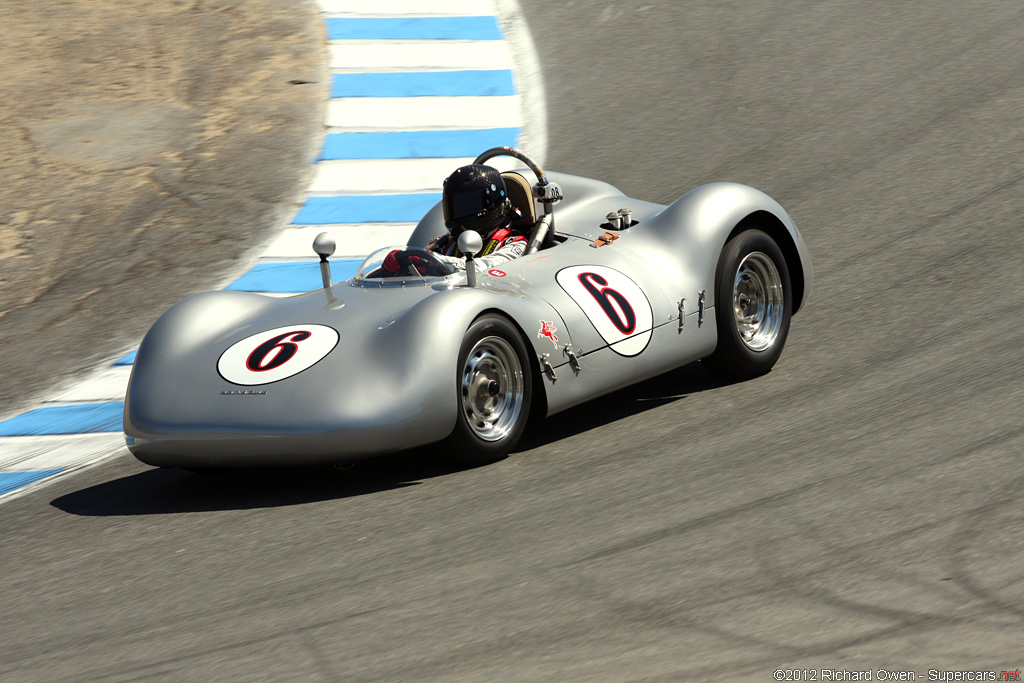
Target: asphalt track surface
{"type": "Point", "coordinates": [859, 508]}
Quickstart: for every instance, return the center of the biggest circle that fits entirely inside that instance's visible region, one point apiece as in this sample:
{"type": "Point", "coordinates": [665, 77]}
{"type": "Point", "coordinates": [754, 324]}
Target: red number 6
{"type": "Point", "coordinates": [258, 360]}
{"type": "Point", "coordinates": [604, 297]}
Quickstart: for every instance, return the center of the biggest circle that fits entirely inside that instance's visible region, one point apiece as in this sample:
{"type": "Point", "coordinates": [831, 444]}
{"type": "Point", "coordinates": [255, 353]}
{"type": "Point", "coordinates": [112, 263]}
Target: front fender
{"type": "Point", "coordinates": [432, 331]}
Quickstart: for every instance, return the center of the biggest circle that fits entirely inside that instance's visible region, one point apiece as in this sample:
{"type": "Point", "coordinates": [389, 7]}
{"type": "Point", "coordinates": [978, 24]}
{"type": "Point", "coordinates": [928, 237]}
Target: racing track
{"type": "Point", "coordinates": [856, 509]}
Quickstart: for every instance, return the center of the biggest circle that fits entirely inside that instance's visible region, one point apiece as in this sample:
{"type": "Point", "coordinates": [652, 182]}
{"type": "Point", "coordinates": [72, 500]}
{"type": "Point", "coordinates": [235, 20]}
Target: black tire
{"type": "Point", "coordinates": [753, 306]}
{"type": "Point", "coordinates": [494, 388]}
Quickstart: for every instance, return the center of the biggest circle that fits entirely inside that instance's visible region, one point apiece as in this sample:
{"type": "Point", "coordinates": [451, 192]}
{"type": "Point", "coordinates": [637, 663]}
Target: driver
{"type": "Point", "coordinates": [474, 198]}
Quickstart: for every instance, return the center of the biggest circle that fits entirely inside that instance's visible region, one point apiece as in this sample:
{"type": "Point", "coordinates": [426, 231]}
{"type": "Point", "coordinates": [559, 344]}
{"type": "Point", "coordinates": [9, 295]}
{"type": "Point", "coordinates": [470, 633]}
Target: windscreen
{"type": "Point", "coordinates": [372, 268]}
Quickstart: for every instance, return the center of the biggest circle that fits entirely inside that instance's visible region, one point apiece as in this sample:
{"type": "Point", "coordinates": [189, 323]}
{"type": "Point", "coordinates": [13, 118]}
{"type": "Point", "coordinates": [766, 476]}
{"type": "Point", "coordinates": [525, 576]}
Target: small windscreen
{"type": "Point", "coordinates": [372, 266]}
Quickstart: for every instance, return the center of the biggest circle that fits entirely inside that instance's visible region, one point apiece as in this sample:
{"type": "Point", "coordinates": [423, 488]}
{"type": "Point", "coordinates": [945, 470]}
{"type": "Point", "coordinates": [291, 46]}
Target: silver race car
{"type": "Point", "coordinates": [610, 291]}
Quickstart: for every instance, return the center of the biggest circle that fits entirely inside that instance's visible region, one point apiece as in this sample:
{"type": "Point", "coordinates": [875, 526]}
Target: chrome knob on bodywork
{"type": "Point", "coordinates": [324, 245]}
{"type": "Point", "coordinates": [470, 243]}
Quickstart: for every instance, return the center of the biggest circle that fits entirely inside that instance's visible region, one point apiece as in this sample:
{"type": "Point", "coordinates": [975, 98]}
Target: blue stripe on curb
{"type": "Point", "coordinates": [87, 418]}
{"type": "Point", "coordinates": [127, 359]}
{"type": "Point", "coordinates": [424, 144]}
{"type": "Point", "coordinates": [12, 481]}
{"type": "Point", "coordinates": [414, 28]}
{"type": "Point", "coordinates": [384, 208]}
{"type": "Point", "coordinates": [292, 277]}
{"type": "Point", "coordinates": [496, 83]}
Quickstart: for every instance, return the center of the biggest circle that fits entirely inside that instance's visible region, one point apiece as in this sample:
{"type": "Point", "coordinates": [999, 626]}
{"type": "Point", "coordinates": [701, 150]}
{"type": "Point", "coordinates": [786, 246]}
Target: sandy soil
{"type": "Point", "coordinates": [148, 151]}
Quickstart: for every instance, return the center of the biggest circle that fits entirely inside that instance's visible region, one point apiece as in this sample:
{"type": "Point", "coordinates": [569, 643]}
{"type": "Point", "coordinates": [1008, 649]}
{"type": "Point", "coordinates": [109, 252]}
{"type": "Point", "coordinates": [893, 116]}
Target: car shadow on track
{"type": "Point", "coordinates": [169, 491]}
{"type": "Point", "coordinates": [647, 395]}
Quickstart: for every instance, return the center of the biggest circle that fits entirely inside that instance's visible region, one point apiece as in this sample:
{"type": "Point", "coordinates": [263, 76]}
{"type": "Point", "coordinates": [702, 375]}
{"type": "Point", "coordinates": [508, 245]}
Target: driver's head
{"type": "Point", "coordinates": [474, 198]}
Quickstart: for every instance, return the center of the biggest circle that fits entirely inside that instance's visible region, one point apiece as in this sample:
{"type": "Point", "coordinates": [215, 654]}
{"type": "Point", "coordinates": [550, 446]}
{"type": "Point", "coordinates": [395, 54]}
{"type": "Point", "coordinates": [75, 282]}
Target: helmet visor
{"type": "Point", "coordinates": [468, 208]}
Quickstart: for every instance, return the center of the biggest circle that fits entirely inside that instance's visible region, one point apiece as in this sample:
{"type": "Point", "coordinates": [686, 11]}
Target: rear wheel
{"type": "Point", "coordinates": [753, 305]}
{"type": "Point", "coordinates": [494, 392]}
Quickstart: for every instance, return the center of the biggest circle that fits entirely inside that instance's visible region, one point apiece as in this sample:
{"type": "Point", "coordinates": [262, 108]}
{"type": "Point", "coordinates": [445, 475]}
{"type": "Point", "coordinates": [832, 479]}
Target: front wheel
{"type": "Point", "coordinates": [494, 391]}
{"type": "Point", "coordinates": [753, 305]}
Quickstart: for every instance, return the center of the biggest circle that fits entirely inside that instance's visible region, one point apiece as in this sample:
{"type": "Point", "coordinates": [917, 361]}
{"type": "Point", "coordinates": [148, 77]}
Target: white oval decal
{"type": "Point", "coordinates": [276, 354]}
{"type": "Point", "coordinates": [617, 307]}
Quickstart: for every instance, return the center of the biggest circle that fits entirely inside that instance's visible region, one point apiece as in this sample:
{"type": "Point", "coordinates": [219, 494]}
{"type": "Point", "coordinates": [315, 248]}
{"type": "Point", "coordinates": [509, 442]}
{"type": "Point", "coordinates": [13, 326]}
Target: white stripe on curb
{"type": "Point", "coordinates": [108, 385]}
{"type": "Point", "coordinates": [353, 241]}
{"type": "Point", "coordinates": [409, 8]}
{"type": "Point", "coordinates": [391, 175]}
{"type": "Point", "coordinates": [417, 55]}
{"type": "Point", "coordinates": [61, 451]}
{"type": "Point", "coordinates": [423, 113]}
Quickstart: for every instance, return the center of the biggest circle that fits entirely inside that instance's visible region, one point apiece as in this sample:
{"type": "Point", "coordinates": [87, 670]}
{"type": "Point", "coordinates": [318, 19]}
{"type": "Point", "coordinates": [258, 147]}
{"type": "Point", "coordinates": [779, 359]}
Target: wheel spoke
{"type": "Point", "coordinates": [758, 303]}
{"type": "Point", "coordinates": [492, 388]}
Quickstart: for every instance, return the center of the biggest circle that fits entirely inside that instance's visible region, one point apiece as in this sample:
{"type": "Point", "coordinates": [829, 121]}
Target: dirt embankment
{"type": "Point", "coordinates": [147, 148]}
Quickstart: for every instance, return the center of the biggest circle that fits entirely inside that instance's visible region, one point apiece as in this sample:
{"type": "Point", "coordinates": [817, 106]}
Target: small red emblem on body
{"type": "Point", "coordinates": [496, 273]}
{"type": "Point", "coordinates": [547, 329]}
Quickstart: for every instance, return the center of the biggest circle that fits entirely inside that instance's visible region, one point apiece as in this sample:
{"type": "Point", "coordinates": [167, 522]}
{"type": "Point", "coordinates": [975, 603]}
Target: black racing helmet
{"type": "Point", "coordinates": [474, 198]}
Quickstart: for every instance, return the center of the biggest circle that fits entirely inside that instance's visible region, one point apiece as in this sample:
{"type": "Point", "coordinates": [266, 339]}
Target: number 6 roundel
{"type": "Point", "coordinates": [617, 307]}
{"type": "Point", "coordinates": [276, 354]}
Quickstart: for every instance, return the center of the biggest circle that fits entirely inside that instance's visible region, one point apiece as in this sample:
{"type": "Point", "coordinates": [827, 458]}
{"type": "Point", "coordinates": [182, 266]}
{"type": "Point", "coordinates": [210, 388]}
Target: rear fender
{"type": "Point", "coordinates": [697, 226]}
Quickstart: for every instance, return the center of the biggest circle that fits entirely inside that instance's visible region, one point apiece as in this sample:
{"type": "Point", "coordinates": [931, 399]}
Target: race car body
{"type": "Point", "coordinates": [604, 298]}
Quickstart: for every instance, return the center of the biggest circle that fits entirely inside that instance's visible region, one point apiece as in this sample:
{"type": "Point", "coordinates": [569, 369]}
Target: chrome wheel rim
{"type": "Point", "coordinates": [492, 388]}
{"type": "Point", "coordinates": [758, 301]}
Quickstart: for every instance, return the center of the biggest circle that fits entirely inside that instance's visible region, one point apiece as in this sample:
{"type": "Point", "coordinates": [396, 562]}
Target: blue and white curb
{"type": "Point", "coordinates": [417, 89]}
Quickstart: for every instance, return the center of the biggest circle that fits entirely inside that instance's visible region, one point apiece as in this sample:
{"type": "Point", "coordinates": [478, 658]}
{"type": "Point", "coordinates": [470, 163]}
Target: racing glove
{"type": "Point", "coordinates": [397, 263]}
